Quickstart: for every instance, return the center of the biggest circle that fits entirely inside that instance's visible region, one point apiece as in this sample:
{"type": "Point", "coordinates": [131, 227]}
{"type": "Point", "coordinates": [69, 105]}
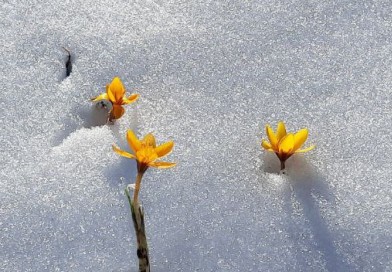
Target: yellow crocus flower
{"type": "Point", "coordinates": [146, 154]}
{"type": "Point", "coordinates": [115, 93]}
{"type": "Point", "coordinates": [285, 144]}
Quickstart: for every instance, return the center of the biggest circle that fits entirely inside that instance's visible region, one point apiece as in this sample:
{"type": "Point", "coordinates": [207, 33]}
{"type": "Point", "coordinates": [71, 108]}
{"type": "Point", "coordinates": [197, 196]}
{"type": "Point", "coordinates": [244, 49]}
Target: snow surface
{"type": "Point", "coordinates": [211, 74]}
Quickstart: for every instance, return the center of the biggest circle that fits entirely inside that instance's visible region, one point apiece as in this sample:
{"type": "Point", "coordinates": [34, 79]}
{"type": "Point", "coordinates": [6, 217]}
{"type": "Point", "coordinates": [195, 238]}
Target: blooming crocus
{"type": "Point", "coordinates": [146, 153]}
{"type": "Point", "coordinates": [115, 93]}
{"type": "Point", "coordinates": [285, 144]}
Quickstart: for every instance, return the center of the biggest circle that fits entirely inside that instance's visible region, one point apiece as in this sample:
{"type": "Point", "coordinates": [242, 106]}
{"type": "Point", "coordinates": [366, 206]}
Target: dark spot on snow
{"type": "Point", "coordinates": [68, 63]}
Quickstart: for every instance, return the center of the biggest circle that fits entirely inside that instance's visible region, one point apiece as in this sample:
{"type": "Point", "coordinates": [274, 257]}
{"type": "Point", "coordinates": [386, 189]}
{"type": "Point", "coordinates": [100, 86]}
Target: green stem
{"type": "Point", "coordinates": [138, 224]}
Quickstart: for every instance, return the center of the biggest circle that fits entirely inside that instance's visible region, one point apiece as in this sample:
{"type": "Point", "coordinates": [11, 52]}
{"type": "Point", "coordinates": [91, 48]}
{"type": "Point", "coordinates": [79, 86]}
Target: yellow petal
{"type": "Point", "coordinates": [133, 141]}
{"type": "Point", "coordinates": [149, 140]}
{"type": "Point", "coordinates": [162, 164]}
{"type": "Point", "coordinates": [281, 131]}
{"type": "Point", "coordinates": [117, 88]}
{"type": "Point", "coordinates": [300, 138]}
{"type": "Point", "coordinates": [117, 111]}
{"type": "Point", "coordinates": [286, 144]}
{"type": "Point", "coordinates": [266, 145]}
{"type": "Point", "coordinates": [164, 149]}
{"type": "Point", "coordinates": [110, 94]}
{"type": "Point", "coordinates": [146, 155]}
{"type": "Point", "coordinates": [306, 149]}
{"type": "Point", "coordinates": [130, 99]}
{"type": "Point", "coordinates": [100, 97]}
{"type": "Point", "coordinates": [123, 153]}
{"type": "Point", "coordinates": [271, 137]}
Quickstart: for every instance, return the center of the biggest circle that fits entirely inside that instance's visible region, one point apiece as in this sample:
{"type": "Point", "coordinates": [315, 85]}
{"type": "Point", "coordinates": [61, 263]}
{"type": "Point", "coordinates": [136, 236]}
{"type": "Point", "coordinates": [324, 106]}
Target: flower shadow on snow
{"type": "Point", "coordinates": [306, 189]}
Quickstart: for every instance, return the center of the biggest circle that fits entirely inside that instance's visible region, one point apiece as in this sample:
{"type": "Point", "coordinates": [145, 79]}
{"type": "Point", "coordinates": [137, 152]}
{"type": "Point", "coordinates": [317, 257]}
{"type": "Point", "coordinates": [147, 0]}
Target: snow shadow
{"type": "Point", "coordinates": [124, 171]}
{"type": "Point", "coordinates": [82, 117]}
{"type": "Point", "coordinates": [95, 115]}
{"type": "Point", "coordinates": [121, 173]}
{"type": "Point", "coordinates": [305, 191]}
{"type": "Point", "coordinates": [271, 163]}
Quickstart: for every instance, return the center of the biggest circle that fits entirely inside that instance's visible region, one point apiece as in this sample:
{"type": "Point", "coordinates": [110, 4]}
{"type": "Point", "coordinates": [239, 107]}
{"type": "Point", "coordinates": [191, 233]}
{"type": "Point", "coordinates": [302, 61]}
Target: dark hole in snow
{"type": "Point", "coordinates": [68, 63]}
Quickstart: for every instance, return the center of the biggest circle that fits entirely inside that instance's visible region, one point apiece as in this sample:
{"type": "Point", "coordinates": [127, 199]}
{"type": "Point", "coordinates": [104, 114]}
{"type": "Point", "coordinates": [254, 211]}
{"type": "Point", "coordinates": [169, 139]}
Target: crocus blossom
{"type": "Point", "coordinates": [284, 144]}
{"type": "Point", "coordinates": [146, 153]}
{"type": "Point", "coordinates": [115, 93]}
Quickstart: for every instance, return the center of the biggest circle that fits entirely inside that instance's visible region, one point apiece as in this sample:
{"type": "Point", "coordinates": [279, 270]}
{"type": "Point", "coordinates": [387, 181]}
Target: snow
{"type": "Point", "coordinates": [211, 74]}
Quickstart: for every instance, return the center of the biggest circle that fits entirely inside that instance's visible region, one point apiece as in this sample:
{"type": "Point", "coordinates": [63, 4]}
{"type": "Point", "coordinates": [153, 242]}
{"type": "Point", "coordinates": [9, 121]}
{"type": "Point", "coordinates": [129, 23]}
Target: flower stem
{"type": "Point", "coordinates": [282, 165]}
{"type": "Point", "coordinates": [138, 224]}
{"type": "Point", "coordinates": [137, 186]}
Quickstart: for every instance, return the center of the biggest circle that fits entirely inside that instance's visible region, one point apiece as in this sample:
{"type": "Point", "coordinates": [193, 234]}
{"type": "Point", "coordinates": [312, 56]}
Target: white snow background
{"type": "Point", "coordinates": [211, 74]}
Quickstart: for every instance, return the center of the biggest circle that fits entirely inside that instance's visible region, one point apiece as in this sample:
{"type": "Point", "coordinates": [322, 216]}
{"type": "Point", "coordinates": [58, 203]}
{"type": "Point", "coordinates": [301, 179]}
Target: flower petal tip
{"type": "Point", "coordinates": [164, 149]}
{"type": "Point", "coordinates": [162, 165]}
{"type": "Point", "coordinates": [306, 149]}
{"type": "Point", "coordinates": [122, 152]}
